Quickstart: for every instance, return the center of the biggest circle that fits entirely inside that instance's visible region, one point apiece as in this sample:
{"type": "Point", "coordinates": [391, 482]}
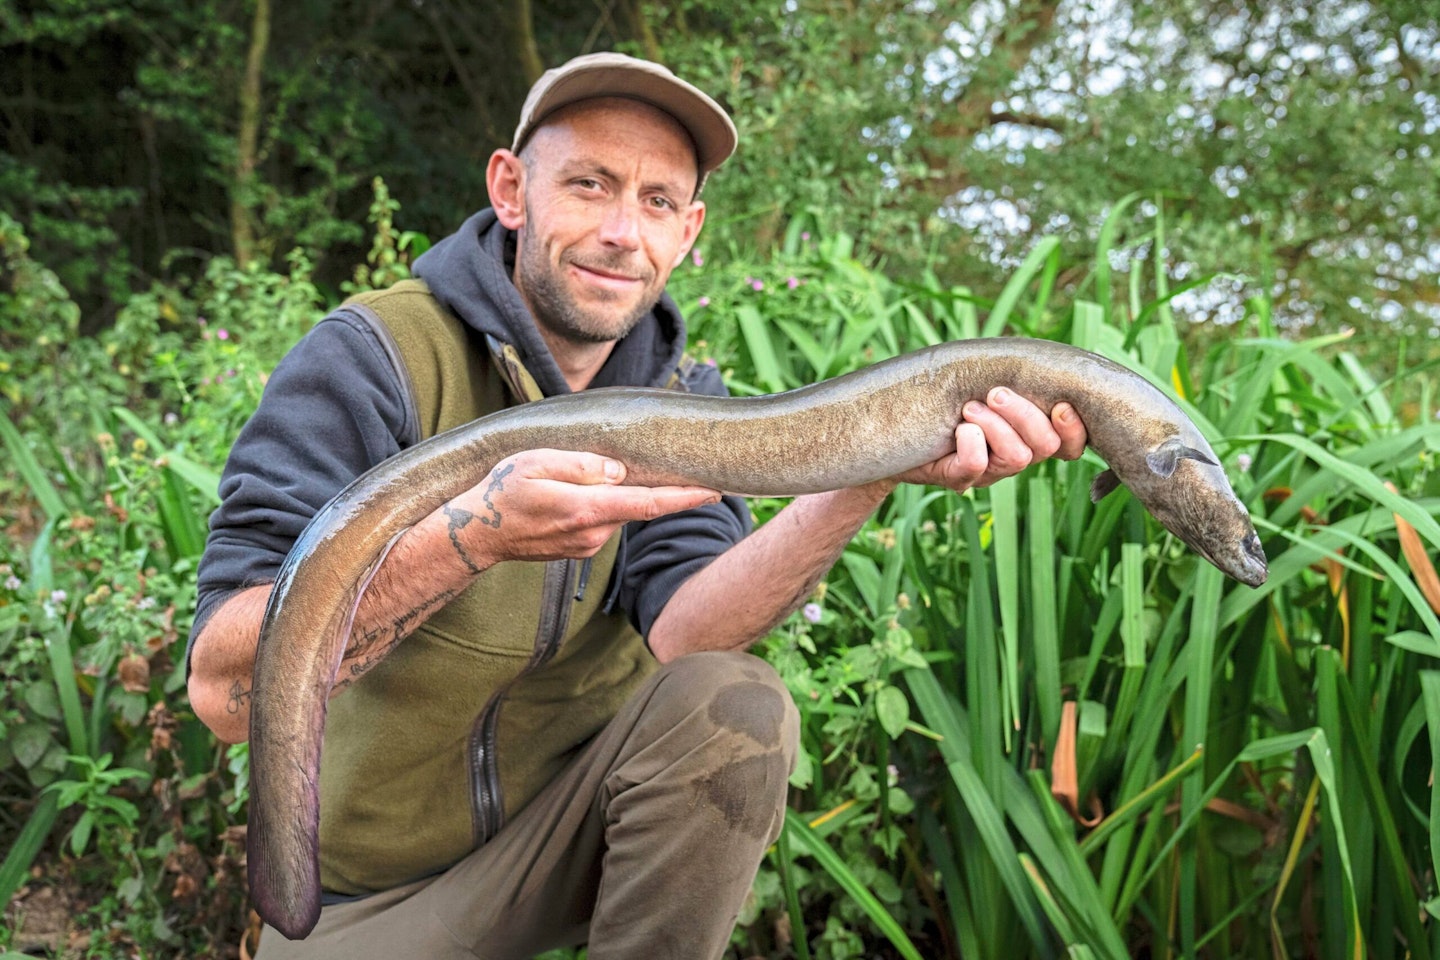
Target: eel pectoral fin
{"type": "Point", "coordinates": [1167, 456]}
{"type": "Point", "coordinates": [1103, 485]}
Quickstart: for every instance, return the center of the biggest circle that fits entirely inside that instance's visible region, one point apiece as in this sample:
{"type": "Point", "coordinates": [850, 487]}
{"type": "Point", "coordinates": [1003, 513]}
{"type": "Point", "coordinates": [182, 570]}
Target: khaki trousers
{"type": "Point", "coordinates": [644, 847]}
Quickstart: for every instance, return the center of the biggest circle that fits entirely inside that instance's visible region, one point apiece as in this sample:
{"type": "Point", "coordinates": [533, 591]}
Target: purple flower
{"type": "Point", "coordinates": [58, 596]}
{"type": "Point", "coordinates": [805, 235]}
{"type": "Point", "coordinates": [792, 283]}
{"type": "Point", "coordinates": [757, 285]}
{"type": "Point", "coordinates": [696, 258]}
{"type": "Point", "coordinates": [811, 612]}
{"type": "Point", "coordinates": [223, 334]}
{"type": "Point", "coordinates": [12, 582]}
{"type": "Point", "coordinates": [704, 301]}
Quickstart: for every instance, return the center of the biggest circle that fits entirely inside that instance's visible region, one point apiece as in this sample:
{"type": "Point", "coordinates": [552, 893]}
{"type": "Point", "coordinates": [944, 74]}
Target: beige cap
{"type": "Point", "coordinates": [616, 75]}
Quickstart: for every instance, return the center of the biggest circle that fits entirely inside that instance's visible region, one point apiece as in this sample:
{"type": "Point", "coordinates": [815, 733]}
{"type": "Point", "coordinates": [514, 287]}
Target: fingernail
{"type": "Point", "coordinates": [999, 396]}
{"type": "Point", "coordinates": [973, 408]}
{"type": "Point", "coordinates": [1065, 413]}
{"type": "Point", "coordinates": [614, 470]}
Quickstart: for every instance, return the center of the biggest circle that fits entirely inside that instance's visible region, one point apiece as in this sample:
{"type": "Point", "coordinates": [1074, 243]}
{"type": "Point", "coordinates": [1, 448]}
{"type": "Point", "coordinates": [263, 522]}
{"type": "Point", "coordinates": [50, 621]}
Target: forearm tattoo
{"type": "Point", "coordinates": [459, 518]}
{"type": "Point", "coordinates": [374, 645]}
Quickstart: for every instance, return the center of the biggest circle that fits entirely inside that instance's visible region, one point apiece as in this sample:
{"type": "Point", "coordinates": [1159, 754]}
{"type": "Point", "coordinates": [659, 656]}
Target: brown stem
{"type": "Point", "coordinates": [242, 227]}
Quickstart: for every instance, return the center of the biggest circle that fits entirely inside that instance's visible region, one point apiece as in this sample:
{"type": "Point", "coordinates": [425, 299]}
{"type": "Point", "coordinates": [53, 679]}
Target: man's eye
{"type": "Point", "coordinates": [662, 203]}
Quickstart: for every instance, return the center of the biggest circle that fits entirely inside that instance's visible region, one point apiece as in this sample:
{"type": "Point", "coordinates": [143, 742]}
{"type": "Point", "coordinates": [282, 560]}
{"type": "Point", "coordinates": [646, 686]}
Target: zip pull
{"type": "Point", "coordinates": [583, 580]}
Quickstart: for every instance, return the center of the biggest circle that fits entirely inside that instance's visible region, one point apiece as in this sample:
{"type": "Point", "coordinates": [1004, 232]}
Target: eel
{"type": "Point", "coordinates": [866, 425]}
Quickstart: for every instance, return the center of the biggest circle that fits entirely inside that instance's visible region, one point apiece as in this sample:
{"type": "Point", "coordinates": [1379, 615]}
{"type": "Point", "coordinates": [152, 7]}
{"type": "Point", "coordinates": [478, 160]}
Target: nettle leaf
{"type": "Point", "coordinates": [29, 743]}
{"type": "Point", "coordinates": [893, 709]}
{"type": "Point", "coordinates": [804, 773]}
{"type": "Point", "coordinates": [42, 700]}
{"type": "Point", "coordinates": [130, 889]}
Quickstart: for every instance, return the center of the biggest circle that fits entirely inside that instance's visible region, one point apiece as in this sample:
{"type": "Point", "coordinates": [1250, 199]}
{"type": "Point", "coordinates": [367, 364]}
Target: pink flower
{"type": "Point", "coordinates": [757, 285]}
{"type": "Point", "coordinates": [792, 283]}
{"type": "Point", "coordinates": [223, 334]}
{"type": "Point", "coordinates": [704, 302]}
{"type": "Point", "coordinates": [805, 235]}
{"type": "Point", "coordinates": [696, 258]}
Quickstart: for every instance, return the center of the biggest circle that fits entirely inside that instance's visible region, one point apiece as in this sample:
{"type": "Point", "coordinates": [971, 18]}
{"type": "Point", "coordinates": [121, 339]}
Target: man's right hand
{"type": "Point", "coordinates": [554, 505]}
{"type": "Point", "coordinates": [539, 505]}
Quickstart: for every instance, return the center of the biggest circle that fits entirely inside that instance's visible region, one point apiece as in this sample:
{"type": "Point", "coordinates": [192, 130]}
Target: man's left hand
{"type": "Point", "coordinates": [1001, 437]}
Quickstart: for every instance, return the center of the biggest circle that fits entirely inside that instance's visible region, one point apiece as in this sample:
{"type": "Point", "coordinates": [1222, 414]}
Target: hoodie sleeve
{"type": "Point", "coordinates": [333, 408]}
{"type": "Point", "coordinates": [662, 554]}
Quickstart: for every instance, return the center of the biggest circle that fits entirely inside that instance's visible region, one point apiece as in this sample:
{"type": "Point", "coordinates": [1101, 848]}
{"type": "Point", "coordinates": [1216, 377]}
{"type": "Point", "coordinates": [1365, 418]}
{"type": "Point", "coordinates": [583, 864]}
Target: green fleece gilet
{"type": "Point", "coordinates": [473, 713]}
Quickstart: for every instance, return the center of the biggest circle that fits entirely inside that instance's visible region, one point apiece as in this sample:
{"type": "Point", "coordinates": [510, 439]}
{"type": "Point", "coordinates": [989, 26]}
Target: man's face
{"type": "Point", "coordinates": [607, 215]}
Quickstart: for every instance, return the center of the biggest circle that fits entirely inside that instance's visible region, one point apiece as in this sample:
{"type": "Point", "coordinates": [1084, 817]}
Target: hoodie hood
{"type": "Point", "coordinates": [471, 272]}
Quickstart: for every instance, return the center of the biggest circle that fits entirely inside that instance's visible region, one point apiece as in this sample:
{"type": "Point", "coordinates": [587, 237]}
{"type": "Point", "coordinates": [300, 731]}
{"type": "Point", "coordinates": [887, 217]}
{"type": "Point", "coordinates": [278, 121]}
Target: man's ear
{"type": "Point", "coordinates": [505, 181]}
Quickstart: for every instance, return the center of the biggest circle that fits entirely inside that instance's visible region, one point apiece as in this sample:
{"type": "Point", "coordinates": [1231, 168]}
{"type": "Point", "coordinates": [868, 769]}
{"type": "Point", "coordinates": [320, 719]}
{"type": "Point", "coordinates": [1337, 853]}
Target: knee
{"type": "Point", "coordinates": [739, 698]}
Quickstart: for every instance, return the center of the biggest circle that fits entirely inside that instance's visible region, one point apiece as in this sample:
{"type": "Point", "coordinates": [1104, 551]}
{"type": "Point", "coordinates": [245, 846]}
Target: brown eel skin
{"type": "Point", "coordinates": [863, 426]}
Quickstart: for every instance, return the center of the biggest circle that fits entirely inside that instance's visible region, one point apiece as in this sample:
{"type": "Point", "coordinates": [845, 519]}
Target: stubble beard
{"type": "Point", "coordinates": [555, 308]}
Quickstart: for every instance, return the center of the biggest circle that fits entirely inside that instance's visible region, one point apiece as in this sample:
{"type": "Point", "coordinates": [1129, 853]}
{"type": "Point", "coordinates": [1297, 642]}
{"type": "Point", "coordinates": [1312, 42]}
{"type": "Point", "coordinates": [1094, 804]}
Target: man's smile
{"type": "Point", "coordinates": [601, 277]}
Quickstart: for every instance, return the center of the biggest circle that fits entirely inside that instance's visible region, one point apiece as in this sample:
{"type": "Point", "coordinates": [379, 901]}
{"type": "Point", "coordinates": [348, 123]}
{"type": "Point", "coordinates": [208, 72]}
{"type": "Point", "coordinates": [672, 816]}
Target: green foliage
{"type": "Point", "coordinates": [117, 441]}
{"type": "Point", "coordinates": [110, 818]}
{"type": "Point", "coordinates": [1258, 758]}
{"type": "Point", "coordinates": [1208, 712]}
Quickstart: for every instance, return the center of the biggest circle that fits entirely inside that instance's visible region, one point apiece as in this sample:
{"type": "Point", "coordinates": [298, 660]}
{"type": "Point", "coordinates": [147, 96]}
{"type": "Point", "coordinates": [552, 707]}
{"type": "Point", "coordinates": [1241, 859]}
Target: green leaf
{"type": "Point", "coordinates": [29, 742]}
{"type": "Point", "coordinates": [80, 836]}
{"type": "Point", "coordinates": [1046, 250]}
{"type": "Point", "coordinates": [40, 486]}
{"type": "Point", "coordinates": [893, 709]}
{"type": "Point", "coordinates": [27, 846]}
{"type": "Point", "coordinates": [42, 700]}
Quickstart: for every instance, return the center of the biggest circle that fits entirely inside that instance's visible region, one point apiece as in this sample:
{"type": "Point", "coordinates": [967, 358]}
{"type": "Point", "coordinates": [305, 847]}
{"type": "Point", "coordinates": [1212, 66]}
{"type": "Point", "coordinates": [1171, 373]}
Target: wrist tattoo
{"type": "Point", "coordinates": [239, 698]}
{"type": "Point", "coordinates": [458, 519]}
{"type": "Point", "coordinates": [497, 484]}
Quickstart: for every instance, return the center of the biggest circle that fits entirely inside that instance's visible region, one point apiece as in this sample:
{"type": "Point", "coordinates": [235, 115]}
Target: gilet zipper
{"type": "Point", "coordinates": [487, 802]}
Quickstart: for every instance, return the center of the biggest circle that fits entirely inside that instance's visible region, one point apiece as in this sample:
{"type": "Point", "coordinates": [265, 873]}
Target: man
{"type": "Point", "coordinates": [545, 729]}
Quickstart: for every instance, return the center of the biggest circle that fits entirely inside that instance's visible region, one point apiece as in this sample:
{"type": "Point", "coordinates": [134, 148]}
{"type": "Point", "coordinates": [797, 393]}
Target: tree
{"type": "Point", "coordinates": [1290, 142]}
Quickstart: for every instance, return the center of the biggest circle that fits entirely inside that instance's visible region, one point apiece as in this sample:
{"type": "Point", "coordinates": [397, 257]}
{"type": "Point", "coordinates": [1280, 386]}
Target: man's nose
{"type": "Point", "coordinates": [621, 225]}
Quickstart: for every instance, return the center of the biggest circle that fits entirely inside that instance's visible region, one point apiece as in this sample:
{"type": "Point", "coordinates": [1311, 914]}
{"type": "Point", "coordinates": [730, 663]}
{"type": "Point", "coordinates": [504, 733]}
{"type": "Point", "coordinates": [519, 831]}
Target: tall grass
{"type": "Point", "coordinates": [1115, 751]}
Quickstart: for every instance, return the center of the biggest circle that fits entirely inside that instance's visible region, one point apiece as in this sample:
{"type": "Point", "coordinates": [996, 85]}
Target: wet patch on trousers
{"type": "Point", "coordinates": [741, 791]}
{"type": "Point", "coordinates": [752, 709]}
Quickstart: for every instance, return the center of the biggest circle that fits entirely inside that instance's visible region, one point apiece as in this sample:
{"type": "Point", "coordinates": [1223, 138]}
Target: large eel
{"type": "Point", "coordinates": [864, 426]}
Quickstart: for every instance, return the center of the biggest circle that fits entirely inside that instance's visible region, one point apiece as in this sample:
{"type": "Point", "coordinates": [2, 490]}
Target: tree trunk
{"type": "Point", "coordinates": [640, 28]}
{"type": "Point", "coordinates": [530, 62]}
{"type": "Point", "coordinates": [242, 225]}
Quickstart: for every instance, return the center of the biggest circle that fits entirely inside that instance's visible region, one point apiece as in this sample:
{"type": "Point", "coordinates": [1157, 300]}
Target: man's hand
{"type": "Point", "coordinates": [553, 505]}
{"type": "Point", "coordinates": [1001, 437]}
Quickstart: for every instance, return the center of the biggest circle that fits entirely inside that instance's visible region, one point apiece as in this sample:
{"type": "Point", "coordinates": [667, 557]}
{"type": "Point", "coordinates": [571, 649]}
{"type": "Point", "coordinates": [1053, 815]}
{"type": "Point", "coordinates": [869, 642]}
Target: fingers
{"type": "Point", "coordinates": [567, 466]}
{"type": "Point", "coordinates": [610, 500]}
{"type": "Point", "coordinates": [1070, 430]}
{"type": "Point", "coordinates": [1007, 433]}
